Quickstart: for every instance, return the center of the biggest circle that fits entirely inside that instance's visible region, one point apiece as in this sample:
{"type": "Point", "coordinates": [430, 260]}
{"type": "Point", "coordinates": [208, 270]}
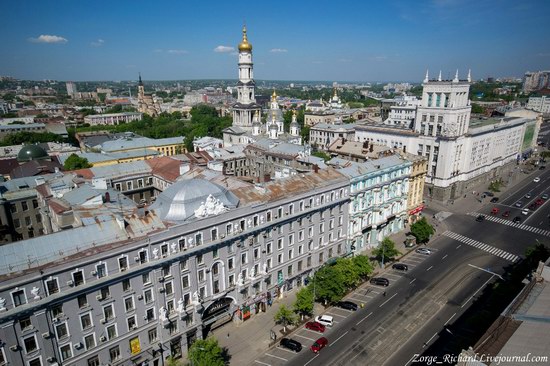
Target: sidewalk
{"type": "Point", "coordinates": [250, 339]}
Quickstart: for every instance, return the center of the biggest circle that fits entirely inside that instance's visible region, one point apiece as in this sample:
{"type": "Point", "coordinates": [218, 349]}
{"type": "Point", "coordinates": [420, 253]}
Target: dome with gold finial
{"type": "Point", "coordinates": [274, 96]}
{"type": "Point", "coordinates": [244, 45]}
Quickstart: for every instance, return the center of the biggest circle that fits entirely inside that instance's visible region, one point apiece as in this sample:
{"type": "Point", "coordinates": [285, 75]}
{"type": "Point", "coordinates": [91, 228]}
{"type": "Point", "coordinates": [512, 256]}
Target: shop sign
{"type": "Point", "coordinates": [135, 346]}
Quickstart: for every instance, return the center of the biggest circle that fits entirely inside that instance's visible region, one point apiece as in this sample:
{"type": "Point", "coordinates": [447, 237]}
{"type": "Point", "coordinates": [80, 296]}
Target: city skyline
{"type": "Point", "coordinates": [394, 41]}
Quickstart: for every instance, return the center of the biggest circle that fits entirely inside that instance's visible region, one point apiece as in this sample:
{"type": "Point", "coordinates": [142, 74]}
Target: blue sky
{"type": "Point", "coordinates": [293, 40]}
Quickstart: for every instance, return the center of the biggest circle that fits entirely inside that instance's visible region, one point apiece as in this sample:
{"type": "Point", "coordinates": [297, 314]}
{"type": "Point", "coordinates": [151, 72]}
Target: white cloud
{"type": "Point", "coordinates": [278, 50]}
{"type": "Point", "coordinates": [177, 52]}
{"type": "Point", "coordinates": [97, 43]}
{"type": "Point", "coordinates": [45, 38]}
{"type": "Point", "coordinates": [224, 49]}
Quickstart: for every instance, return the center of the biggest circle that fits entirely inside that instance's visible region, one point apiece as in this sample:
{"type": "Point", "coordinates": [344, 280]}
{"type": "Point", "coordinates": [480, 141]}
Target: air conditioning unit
{"type": "Point", "coordinates": [99, 297]}
{"type": "Point", "coordinates": [93, 273]}
{"type": "Point", "coordinates": [145, 317]}
{"type": "Point", "coordinates": [14, 348]}
{"type": "Point", "coordinates": [161, 290]}
{"type": "Point", "coordinates": [140, 297]}
{"type": "Point", "coordinates": [70, 283]}
{"type": "Point", "coordinates": [136, 259]}
{"type": "Point", "coordinates": [46, 335]}
{"type": "Point", "coordinates": [50, 359]}
{"type": "Point", "coordinates": [103, 321]}
{"type": "Point", "coordinates": [102, 338]}
{"type": "Point", "coordinates": [161, 279]}
{"type": "Point", "coordinates": [78, 345]}
{"type": "Point", "coordinates": [55, 320]}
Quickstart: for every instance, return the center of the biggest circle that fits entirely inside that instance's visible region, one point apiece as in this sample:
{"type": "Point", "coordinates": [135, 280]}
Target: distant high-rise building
{"type": "Point", "coordinates": [536, 80]}
{"type": "Point", "coordinates": [71, 88]}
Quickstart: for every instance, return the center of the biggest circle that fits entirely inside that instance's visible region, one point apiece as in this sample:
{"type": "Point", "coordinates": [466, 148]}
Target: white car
{"type": "Point", "coordinates": [525, 211]}
{"type": "Point", "coordinates": [425, 251]}
{"type": "Point", "coordinates": [536, 180]}
{"type": "Point", "coordinates": [326, 320]}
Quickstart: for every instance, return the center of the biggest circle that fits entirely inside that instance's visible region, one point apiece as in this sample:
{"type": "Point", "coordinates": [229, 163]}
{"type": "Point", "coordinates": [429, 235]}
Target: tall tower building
{"type": "Point", "coordinates": [146, 103]}
{"type": "Point", "coordinates": [71, 88]}
{"type": "Point", "coordinates": [246, 106]}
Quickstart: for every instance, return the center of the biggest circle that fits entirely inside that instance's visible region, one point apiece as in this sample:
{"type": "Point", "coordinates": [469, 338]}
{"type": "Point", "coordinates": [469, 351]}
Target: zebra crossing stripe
{"type": "Point", "coordinates": [482, 246]}
{"type": "Point", "coordinates": [521, 226]}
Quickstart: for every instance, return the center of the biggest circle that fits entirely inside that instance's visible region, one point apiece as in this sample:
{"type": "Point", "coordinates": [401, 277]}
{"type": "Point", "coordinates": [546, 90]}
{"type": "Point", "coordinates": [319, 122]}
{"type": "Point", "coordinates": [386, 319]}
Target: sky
{"type": "Point", "coordinates": [359, 41]}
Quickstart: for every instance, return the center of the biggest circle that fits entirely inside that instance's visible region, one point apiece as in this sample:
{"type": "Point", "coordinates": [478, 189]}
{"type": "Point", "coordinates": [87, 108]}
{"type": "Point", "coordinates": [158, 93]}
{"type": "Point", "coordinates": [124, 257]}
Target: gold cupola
{"type": "Point", "coordinates": [244, 46]}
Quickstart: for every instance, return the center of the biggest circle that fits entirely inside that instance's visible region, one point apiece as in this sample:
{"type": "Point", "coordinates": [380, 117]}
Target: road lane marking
{"type": "Point", "coordinates": [280, 358]}
{"type": "Point", "coordinates": [447, 322]}
{"type": "Point", "coordinates": [445, 256]}
{"type": "Point", "coordinates": [311, 339]}
{"type": "Point", "coordinates": [337, 339]}
{"type": "Point", "coordinates": [317, 355]}
{"type": "Point", "coordinates": [498, 220]}
{"type": "Point", "coordinates": [333, 314]}
{"type": "Point", "coordinates": [388, 300]}
{"type": "Point", "coordinates": [481, 246]}
{"type": "Point", "coordinates": [459, 246]}
{"type": "Point", "coordinates": [479, 289]}
{"type": "Point", "coordinates": [429, 268]}
{"type": "Point", "coordinates": [412, 358]}
{"type": "Point", "coordinates": [262, 363]}
{"type": "Point", "coordinates": [360, 321]}
{"type": "Point", "coordinates": [414, 279]}
{"type": "Point", "coordinates": [429, 340]}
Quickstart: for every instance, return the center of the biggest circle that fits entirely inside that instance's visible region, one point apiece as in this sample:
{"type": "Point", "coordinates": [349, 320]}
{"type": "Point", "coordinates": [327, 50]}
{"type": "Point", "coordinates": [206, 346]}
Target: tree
{"type": "Point", "coordinates": [386, 250]}
{"type": "Point", "coordinates": [75, 162]}
{"type": "Point", "coordinates": [171, 361]}
{"type": "Point", "coordinates": [329, 284]}
{"type": "Point", "coordinates": [422, 230]}
{"type": "Point", "coordinates": [304, 301]}
{"type": "Point", "coordinates": [476, 108]}
{"type": "Point", "coordinates": [206, 352]}
{"type": "Point", "coordinates": [363, 266]}
{"type": "Point", "coordinates": [284, 316]}
{"type": "Point", "coordinates": [322, 155]}
{"type": "Point", "coordinates": [304, 132]}
{"type": "Point", "coordinates": [347, 271]}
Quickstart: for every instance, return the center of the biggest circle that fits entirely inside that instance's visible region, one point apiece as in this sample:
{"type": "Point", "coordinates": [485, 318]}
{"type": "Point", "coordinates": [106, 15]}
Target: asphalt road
{"type": "Point", "coordinates": [395, 328]}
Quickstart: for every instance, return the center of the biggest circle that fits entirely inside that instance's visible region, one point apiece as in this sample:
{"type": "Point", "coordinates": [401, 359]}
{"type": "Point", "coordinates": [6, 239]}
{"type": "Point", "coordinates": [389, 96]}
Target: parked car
{"type": "Point", "coordinates": [506, 214]}
{"type": "Point", "coordinates": [319, 344]}
{"type": "Point", "coordinates": [528, 195]}
{"type": "Point", "coordinates": [318, 327]}
{"type": "Point", "coordinates": [533, 206]}
{"type": "Point", "coordinates": [400, 267]}
{"type": "Point", "coordinates": [517, 219]}
{"type": "Point", "coordinates": [326, 320]}
{"type": "Point", "coordinates": [519, 204]}
{"type": "Point", "coordinates": [480, 218]}
{"type": "Point", "coordinates": [380, 281]}
{"type": "Point", "coordinates": [494, 199]}
{"type": "Point", "coordinates": [525, 211]}
{"type": "Point", "coordinates": [489, 194]}
{"type": "Point", "coordinates": [348, 305]}
{"type": "Point", "coordinates": [539, 202]}
{"type": "Point", "coordinates": [426, 250]}
{"type": "Point", "coordinates": [291, 344]}
{"type": "Point", "coordinates": [495, 210]}
{"type": "Point", "coordinates": [536, 180]}
{"type": "Point", "coordinates": [542, 167]}
{"type": "Point", "coordinates": [544, 196]}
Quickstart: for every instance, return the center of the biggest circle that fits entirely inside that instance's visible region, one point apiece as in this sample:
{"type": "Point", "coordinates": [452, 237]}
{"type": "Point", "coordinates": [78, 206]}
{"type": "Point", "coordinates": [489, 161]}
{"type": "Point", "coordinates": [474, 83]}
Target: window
{"type": "Point", "coordinates": [231, 280]}
{"type": "Point", "coordinates": [111, 332]}
{"type": "Point", "coordinates": [66, 351]}
{"type": "Point", "coordinates": [132, 324]}
{"type": "Point", "coordinates": [28, 221]}
{"type": "Point", "coordinates": [35, 362]}
{"type": "Point", "coordinates": [24, 206]}
{"type": "Point", "coordinates": [105, 293]}
{"type": "Point", "coordinates": [244, 258]}
{"type": "Point", "coordinates": [268, 216]}
{"type": "Point", "coordinates": [173, 328]}
{"type": "Point", "coordinates": [299, 266]}
{"type": "Point", "coordinates": [114, 353]}
{"type": "Point", "coordinates": [19, 298]}
{"type": "Point", "coordinates": [94, 361]}
{"type": "Point", "coordinates": [216, 269]}
{"type": "Point", "coordinates": [30, 344]}
{"type": "Point", "coordinates": [214, 234]}
{"type": "Point", "coordinates": [129, 303]}
{"type": "Point", "coordinates": [215, 253]}
{"type": "Point", "coordinates": [150, 314]}
{"type": "Point", "coordinates": [228, 229]}
{"type": "Point", "coordinates": [291, 239]}
{"type": "Point", "coordinates": [82, 301]}
{"type": "Point", "coordinates": [153, 336]}
{"type": "Point", "coordinates": [123, 263]}
{"type": "Point", "coordinates": [126, 285]}
{"type": "Point", "coordinates": [146, 277]}
{"type": "Point", "coordinates": [78, 278]}
{"type": "Point", "coordinates": [101, 270]}
{"type": "Point", "coordinates": [182, 244]}
{"type": "Point", "coordinates": [148, 294]}
{"type": "Point", "coordinates": [269, 248]}
{"type": "Point", "coordinates": [183, 264]}
{"type": "Point", "coordinates": [290, 254]}
{"type": "Point", "coordinates": [185, 281]}
{"type": "Point", "coordinates": [89, 342]}
{"type": "Point", "coordinates": [280, 259]}
{"type": "Point", "coordinates": [280, 243]}
{"type": "Point", "coordinates": [86, 321]}
{"type": "Point", "coordinates": [198, 238]}
{"type": "Point", "coordinates": [200, 259]}
{"type": "Point", "coordinates": [289, 270]}
{"type": "Point", "coordinates": [200, 275]}
{"type": "Point", "coordinates": [52, 286]}
{"type": "Point", "coordinates": [108, 312]}
{"type": "Point", "coordinates": [169, 288]}
{"type": "Point", "coordinates": [34, 204]}
{"type": "Point", "coordinates": [166, 271]}
{"type": "Point", "coordinates": [142, 254]}
{"type": "Point", "coordinates": [24, 323]}
{"type": "Point", "coordinates": [164, 250]}
{"type": "Point", "coordinates": [16, 223]}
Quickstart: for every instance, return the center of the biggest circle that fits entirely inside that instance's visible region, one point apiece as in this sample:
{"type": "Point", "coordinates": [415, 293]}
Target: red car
{"type": "Point", "coordinates": [494, 211]}
{"type": "Point", "coordinates": [539, 202]}
{"type": "Point", "coordinates": [319, 344]}
{"type": "Point", "coordinates": [506, 214]}
{"type": "Point", "coordinates": [318, 327]}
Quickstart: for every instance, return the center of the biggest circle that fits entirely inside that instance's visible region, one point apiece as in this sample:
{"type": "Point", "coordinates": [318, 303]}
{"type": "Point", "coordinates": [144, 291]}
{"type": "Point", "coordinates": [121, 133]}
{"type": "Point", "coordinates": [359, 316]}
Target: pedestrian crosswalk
{"type": "Point", "coordinates": [521, 226]}
{"type": "Point", "coordinates": [486, 247]}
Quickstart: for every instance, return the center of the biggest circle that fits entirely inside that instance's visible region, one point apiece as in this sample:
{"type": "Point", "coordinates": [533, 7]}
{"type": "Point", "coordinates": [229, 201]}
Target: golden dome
{"type": "Point", "coordinates": [274, 96]}
{"type": "Point", "coordinates": [244, 45]}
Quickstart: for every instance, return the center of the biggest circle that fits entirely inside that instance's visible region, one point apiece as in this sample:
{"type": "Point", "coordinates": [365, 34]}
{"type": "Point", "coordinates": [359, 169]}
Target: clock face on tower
{"type": "Point", "coordinates": [450, 129]}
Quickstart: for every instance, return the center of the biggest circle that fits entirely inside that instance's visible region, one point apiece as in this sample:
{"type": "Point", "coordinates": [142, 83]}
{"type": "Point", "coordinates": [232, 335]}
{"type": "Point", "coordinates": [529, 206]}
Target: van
{"type": "Point", "coordinates": [326, 320]}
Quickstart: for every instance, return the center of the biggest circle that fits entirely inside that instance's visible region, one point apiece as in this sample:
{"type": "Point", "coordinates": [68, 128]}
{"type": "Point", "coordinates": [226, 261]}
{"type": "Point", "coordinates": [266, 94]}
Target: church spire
{"type": "Point", "coordinates": [469, 75]}
{"type": "Point", "coordinates": [427, 78]}
{"type": "Point", "coordinates": [140, 82]}
{"type": "Point", "coordinates": [455, 80]}
{"type": "Point", "coordinates": [439, 77]}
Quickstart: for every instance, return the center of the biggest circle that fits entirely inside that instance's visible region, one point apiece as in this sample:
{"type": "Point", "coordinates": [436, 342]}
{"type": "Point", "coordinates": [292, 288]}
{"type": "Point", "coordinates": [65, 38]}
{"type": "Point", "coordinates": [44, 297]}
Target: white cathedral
{"type": "Point", "coordinates": [247, 122]}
